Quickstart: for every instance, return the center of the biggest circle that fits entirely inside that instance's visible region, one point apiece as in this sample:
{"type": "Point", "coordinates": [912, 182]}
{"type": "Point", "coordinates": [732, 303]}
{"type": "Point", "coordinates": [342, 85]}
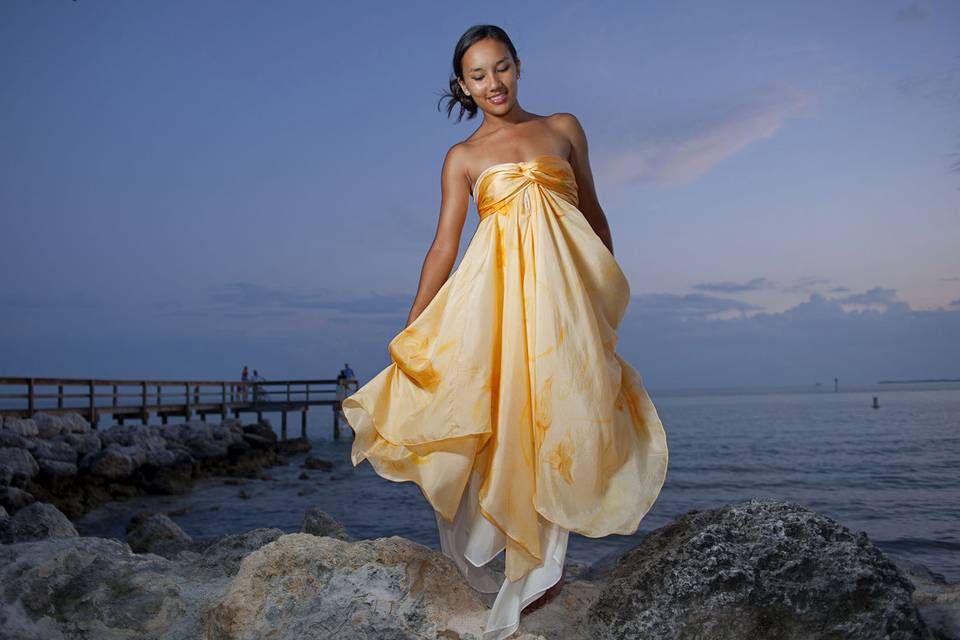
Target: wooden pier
{"type": "Point", "coordinates": [138, 399]}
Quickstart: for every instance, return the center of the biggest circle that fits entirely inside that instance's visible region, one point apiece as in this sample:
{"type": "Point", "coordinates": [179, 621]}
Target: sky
{"type": "Point", "coordinates": [191, 187]}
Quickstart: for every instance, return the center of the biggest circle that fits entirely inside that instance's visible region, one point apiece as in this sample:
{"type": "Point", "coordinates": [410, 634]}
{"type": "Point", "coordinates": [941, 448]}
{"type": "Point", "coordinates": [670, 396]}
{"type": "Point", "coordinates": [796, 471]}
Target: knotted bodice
{"type": "Point", "coordinates": [500, 184]}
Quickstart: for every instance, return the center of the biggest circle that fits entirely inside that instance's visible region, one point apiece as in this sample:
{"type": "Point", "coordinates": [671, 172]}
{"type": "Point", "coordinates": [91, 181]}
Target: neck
{"type": "Point", "coordinates": [516, 115]}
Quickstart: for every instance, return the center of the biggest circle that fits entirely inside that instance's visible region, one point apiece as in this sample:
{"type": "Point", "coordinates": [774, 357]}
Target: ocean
{"type": "Point", "coordinates": [892, 471]}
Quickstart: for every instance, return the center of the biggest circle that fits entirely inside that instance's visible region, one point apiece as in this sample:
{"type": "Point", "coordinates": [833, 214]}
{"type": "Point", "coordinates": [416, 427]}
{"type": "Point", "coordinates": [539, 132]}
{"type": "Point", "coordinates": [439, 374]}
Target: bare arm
{"type": "Point", "coordinates": [438, 263]}
{"type": "Point", "coordinates": [568, 124]}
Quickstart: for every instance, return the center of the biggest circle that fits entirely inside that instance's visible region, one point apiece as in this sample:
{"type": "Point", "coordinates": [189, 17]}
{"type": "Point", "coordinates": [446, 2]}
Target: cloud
{"type": "Point", "coordinates": [912, 13]}
{"type": "Point", "coordinates": [802, 284]}
{"type": "Point", "coordinates": [674, 162]}
{"type": "Point", "coordinates": [735, 287]}
{"type": "Point", "coordinates": [810, 342]}
{"type": "Point", "coordinates": [877, 295]}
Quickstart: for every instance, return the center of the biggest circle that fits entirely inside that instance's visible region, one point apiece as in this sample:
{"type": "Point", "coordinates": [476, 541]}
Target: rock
{"type": "Point", "coordinates": [36, 521]}
{"type": "Point", "coordinates": [56, 468]}
{"type": "Point", "coordinates": [762, 568]}
{"type": "Point", "coordinates": [17, 466]}
{"type": "Point", "coordinates": [74, 423]}
{"type": "Point", "coordinates": [228, 552]}
{"type": "Point", "coordinates": [260, 436]}
{"type": "Point", "coordinates": [82, 443]}
{"type": "Point", "coordinates": [313, 462]}
{"type": "Point", "coordinates": [937, 600]}
{"type": "Point", "coordinates": [14, 498]}
{"type": "Point", "coordinates": [21, 426]}
{"type": "Point", "coordinates": [304, 586]}
{"type": "Point", "coordinates": [48, 424]}
{"type": "Point", "coordinates": [97, 588]}
{"type": "Point", "coordinates": [320, 523]}
{"type": "Point", "coordinates": [10, 438]}
{"type": "Point", "coordinates": [53, 449]}
{"type": "Point", "coordinates": [303, 476]}
{"type": "Point", "coordinates": [115, 462]}
{"type": "Point", "coordinates": [157, 534]}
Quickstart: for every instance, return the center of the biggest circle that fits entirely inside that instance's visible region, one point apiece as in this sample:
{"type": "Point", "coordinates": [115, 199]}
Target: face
{"type": "Point", "coordinates": [490, 75]}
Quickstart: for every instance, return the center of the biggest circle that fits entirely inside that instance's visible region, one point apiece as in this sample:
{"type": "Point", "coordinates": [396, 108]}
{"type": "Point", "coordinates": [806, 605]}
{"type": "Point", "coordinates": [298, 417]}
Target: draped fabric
{"type": "Point", "coordinates": [509, 383]}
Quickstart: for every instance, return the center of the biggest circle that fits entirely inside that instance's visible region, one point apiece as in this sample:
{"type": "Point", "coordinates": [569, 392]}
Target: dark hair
{"type": "Point", "coordinates": [455, 94]}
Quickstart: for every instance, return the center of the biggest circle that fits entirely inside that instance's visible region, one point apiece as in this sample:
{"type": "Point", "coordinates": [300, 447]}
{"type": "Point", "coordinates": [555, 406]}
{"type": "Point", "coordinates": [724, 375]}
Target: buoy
{"type": "Point", "coordinates": [876, 403]}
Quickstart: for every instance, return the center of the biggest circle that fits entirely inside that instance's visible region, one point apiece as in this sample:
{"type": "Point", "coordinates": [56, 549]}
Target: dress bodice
{"type": "Point", "coordinates": [498, 185]}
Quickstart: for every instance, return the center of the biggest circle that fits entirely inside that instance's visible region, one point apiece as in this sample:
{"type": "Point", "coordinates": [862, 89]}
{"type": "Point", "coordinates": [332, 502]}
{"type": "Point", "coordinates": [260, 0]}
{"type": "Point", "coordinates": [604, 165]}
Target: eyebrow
{"type": "Point", "coordinates": [495, 63]}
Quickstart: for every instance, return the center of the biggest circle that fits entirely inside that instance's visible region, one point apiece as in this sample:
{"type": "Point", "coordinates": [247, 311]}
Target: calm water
{"type": "Point", "coordinates": [892, 472]}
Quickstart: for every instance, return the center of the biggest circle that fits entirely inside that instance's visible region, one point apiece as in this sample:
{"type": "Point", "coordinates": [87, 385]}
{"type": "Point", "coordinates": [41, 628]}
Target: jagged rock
{"type": "Point", "coordinates": [21, 426]}
{"type": "Point", "coordinates": [36, 521]}
{"type": "Point", "coordinates": [158, 534]}
{"type": "Point", "coordinates": [320, 523]}
{"type": "Point", "coordinates": [98, 588]}
{"type": "Point", "coordinates": [228, 552]}
{"type": "Point", "coordinates": [937, 600]}
{"type": "Point", "coordinates": [312, 462]}
{"type": "Point", "coordinates": [17, 465]}
{"type": "Point", "coordinates": [762, 568]}
{"type": "Point", "coordinates": [302, 585]}
{"type": "Point", "coordinates": [14, 498]}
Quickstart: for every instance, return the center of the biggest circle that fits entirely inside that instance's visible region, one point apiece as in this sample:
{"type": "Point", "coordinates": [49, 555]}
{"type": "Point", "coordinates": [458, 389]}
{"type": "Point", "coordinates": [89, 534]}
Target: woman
{"type": "Point", "coordinates": [506, 401]}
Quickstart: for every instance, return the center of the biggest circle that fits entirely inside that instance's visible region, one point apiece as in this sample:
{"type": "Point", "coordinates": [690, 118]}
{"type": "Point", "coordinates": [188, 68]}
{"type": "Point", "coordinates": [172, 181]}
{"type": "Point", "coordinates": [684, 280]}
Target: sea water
{"type": "Point", "coordinates": [892, 471]}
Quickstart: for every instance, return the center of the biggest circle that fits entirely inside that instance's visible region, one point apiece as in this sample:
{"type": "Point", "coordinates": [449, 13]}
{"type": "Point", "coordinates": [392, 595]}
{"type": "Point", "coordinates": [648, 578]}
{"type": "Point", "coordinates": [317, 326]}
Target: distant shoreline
{"type": "Point", "coordinates": [918, 381]}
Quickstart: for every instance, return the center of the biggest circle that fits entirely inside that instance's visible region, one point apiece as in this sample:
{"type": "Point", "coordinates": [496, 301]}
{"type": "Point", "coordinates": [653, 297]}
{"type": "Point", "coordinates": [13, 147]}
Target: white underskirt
{"type": "Point", "coordinates": [472, 541]}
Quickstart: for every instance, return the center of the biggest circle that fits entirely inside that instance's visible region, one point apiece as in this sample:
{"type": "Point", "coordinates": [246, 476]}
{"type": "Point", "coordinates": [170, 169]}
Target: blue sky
{"type": "Point", "coordinates": [194, 186]}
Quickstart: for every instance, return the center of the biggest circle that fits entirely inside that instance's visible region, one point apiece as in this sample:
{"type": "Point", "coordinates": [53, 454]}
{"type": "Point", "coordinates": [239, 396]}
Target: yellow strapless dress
{"type": "Point", "coordinates": [505, 400]}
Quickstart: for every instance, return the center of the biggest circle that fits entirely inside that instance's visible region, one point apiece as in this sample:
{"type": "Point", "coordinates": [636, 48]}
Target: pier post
{"type": "Point", "coordinates": [93, 403]}
{"type": "Point", "coordinates": [303, 424]}
{"type": "Point", "coordinates": [283, 427]}
{"type": "Point", "coordinates": [144, 414]}
{"type": "Point", "coordinates": [223, 401]}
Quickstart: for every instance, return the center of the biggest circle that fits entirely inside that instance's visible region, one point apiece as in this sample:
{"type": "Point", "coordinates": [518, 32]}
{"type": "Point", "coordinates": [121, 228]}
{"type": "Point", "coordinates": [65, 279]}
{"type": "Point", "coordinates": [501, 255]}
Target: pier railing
{"type": "Point", "coordinates": [138, 399]}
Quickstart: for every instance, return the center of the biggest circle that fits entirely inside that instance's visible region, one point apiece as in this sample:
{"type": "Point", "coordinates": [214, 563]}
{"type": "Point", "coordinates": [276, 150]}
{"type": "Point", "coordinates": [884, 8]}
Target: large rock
{"type": "Point", "coordinates": [14, 498]}
{"type": "Point", "coordinates": [759, 569]}
{"type": "Point", "coordinates": [228, 552]}
{"type": "Point", "coordinates": [157, 533]}
{"type": "Point", "coordinates": [304, 586]}
{"type": "Point", "coordinates": [320, 523]}
{"type": "Point", "coordinates": [72, 588]}
{"type": "Point", "coordinates": [48, 424]}
{"type": "Point", "coordinates": [36, 521]}
{"type": "Point", "coordinates": [17, 466]}
{"type": "Point", "coordinates": [22, 426]}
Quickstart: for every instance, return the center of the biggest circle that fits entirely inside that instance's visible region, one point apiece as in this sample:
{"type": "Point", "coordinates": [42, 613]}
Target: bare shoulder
{"type": "Point", "coordinates": [567, 124]}
{"type": "Point", "coordinates": [456, 160]}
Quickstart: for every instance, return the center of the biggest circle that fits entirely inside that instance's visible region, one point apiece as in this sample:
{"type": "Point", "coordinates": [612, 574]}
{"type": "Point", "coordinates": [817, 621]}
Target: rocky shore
{"type": "Point", "coordinates": [757, 569]}
{"type": "Point", "coordinates": [61, 460]}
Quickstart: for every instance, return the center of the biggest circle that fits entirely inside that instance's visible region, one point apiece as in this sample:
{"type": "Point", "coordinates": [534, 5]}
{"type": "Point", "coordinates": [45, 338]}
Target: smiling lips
{"type": "Point", "coordinates": [500, 98]}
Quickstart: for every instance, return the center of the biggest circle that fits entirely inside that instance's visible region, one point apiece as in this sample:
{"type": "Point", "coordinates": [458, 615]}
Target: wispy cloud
{"type": "Point", "coordinates": [675, 162]}
{"type": "Point", "coordinates": [913, 13]}
{"type": "Point", "coordinates": [735, 287]}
